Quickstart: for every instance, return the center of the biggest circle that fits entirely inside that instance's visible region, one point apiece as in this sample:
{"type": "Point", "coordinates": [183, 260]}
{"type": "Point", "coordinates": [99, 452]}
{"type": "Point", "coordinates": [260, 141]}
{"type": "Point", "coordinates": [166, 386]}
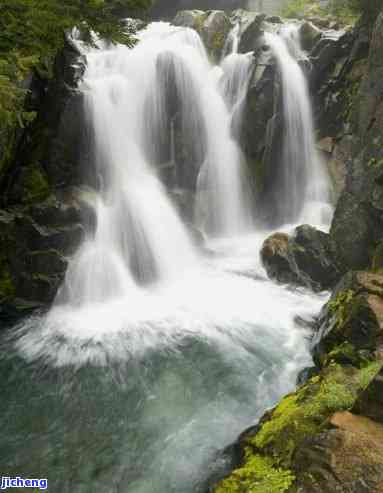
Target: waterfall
{"type": "Point", "coordinates": [155, 357]}
{"type": "Point", "coordinates": [303, 185]}
{"type": "Point", "coordinates": [139, 236]}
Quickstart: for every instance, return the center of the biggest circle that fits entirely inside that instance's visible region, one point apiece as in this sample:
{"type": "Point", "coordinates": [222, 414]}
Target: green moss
{"type": "Point", "coordinates": [259, 475]}
{"type": "Point", "coordinates": [305, 412]}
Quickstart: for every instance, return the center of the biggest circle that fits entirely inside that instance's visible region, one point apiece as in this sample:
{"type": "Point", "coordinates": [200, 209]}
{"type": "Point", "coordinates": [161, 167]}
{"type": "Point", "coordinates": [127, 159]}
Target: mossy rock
{"type": "Point", "coordinates": [354, 315]}
{"type": "Point", "coordinates": [269, 453]}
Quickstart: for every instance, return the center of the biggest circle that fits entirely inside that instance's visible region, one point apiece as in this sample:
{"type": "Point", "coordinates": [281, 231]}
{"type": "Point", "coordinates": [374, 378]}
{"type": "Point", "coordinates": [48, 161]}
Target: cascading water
{"type": "Point", "coordinates": [303, 186]}
{"type": "Point", "coordinates": [154, 357]}
{"type": "Point", "coordinates": [235, 79]}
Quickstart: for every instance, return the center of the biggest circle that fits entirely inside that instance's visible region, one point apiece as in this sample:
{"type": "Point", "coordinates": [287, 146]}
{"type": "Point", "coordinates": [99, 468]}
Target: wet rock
{"type": "Point", "coordinates": [307, 258]}
{"type": "Point", "coordinates": [275, 258]}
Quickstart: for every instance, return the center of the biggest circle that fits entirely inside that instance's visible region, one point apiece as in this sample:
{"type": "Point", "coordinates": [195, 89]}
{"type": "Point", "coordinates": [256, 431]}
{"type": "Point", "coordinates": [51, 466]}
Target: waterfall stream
{"type": "Point", "coordinates": [303, 188]}
{"type": "Point", "coordinates": [157, 354]}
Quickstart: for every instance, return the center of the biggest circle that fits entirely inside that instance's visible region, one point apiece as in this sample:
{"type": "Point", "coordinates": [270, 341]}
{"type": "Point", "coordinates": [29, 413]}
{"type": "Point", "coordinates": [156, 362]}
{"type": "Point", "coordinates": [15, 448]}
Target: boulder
{"type": "Point", "coordinates": [275, 259]}
{"type": "Point", "coordinates": [306, 258]}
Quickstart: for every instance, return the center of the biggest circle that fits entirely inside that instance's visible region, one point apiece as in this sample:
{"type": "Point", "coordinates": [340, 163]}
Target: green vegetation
{"type": "Point", "coordinates": [259, 475]}
{"type": "Point", "coordinates": [32, 32]}
{"type": "Point", "coordinates": [344, 11]}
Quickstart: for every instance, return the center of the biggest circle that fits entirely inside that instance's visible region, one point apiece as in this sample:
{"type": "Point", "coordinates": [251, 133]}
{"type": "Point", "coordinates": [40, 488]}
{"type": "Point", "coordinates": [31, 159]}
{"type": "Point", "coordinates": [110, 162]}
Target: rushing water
{"type": "Point", "coordinates": [155, 355]}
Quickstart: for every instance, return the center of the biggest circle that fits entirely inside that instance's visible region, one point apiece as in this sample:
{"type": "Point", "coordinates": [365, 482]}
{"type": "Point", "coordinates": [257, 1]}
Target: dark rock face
{"type": "Point", "coordinates": [347, 79]}
{"type": "Point", "coordinates": [307, 258]}
{"type": "Point", "coordinates": [36, 242]}
{"type": "Point", "coordinates": [42, 220]}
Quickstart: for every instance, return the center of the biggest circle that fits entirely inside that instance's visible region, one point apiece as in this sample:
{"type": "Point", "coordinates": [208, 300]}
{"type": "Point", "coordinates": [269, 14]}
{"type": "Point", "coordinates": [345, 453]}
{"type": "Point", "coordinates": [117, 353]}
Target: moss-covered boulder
{"type": "Point", "coordinates": [354, 315]}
